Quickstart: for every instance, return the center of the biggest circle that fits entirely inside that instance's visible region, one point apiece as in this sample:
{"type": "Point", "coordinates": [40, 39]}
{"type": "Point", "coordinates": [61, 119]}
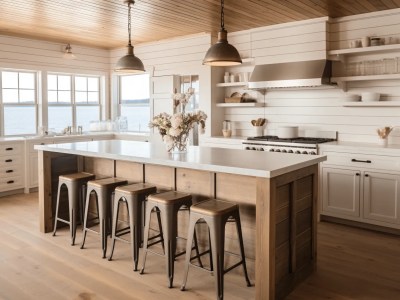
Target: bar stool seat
{"type": "Point", "coordinates": [103, 188]}
{"type": "Point", "coordinates": [216, 214]}
{"type": "Point", "coordinates": [134, 195]}
{"type": "Point", "coordinates": [168, 204]}
{"type": "Point", "coordinates": [75, 184]}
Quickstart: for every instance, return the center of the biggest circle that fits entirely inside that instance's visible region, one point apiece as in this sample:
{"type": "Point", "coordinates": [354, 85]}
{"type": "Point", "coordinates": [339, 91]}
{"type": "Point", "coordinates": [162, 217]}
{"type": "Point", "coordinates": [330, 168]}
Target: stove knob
{"type": "Point", "coordinates": [247, 148]}
{"type": "Point", "coordinates": [284, 151]}
{"type": "Point", "coordinates": [305, 152]}
{"type": "Point", "coordinates": [278, 150]}
{"type": "Point", "coordinates": [261, 149]}
{"type": "Point", "coordinates": [298, 152]}
{"type": "Point", "coordinates": [254, 148]}
{"type": "Point", "coordinates": [272, 150]}
{"type": "Point", "coordinates": [313, 153]}
{"type": "Point", "coordinates": [290, 151]}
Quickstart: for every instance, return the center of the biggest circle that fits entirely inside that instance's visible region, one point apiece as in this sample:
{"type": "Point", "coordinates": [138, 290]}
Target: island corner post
{"type": "Point", "coordinates": [285, 210]}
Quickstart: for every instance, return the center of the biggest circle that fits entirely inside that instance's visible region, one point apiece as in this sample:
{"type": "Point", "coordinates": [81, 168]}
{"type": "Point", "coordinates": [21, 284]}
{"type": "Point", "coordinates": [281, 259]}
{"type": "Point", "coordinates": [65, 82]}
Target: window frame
{"type": "Point", "coordinates": [33, 104]}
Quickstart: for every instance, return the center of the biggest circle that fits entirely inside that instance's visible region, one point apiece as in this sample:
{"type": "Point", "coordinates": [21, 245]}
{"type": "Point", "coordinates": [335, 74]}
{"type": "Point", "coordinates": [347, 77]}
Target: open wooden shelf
{"type": "Point", "coordinates": [364, 50]}
{"type": "Point", "coordinates": [365, 77]}
{"type": "Point", "coordinates": [372, 104]}
{"type": "Point", "coordinates": [228, 84]}
{"type": "Point", "coordinates": [243, 104]}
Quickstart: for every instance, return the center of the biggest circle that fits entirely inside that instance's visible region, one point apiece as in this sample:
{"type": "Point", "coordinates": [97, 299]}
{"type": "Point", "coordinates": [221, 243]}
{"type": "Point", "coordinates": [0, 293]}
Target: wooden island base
{"type": "Point", "coordinates": [278, 214]}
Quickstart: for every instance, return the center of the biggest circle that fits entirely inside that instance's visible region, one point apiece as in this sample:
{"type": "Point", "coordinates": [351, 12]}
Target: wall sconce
{"type": "Point", "coordinates": [68, 52]}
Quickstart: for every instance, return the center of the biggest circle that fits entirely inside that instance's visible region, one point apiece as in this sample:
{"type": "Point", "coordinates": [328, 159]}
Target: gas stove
{"type": "Point", "coordinates": [299, 145]}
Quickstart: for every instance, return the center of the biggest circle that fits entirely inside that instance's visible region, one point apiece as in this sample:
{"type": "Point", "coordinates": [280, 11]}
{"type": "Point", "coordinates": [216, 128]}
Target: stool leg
{"type": "Point", "coordinates": [196, 249]}
{"type": "Point", "coordinates": [73, 196]}
{"type": "Point", "coordinates": [82, 203]}
{"type": "Point", "coordinates": [149, 208]}
{"type": "Point", "coordinates": [170, 231]}
{"type": "Point", "coordinates": [85, 219]}
{"type": "Point", "coordinates": [189, 243]}
{"type": "Point", "coordinates": [240, 237]}
{"type": "Point", "coordinates": [135, 220]}
{"type": "Point", "coordinates": [103, 218]}
{"type": "Point", "coordinates": [217, 248]}
{"type": "Point", "coordinates": [114, 225]}
{"type": "Point", "coordinates": [58, 204]}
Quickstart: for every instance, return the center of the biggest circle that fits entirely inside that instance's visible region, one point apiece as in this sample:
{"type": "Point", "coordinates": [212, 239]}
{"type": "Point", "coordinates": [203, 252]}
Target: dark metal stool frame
{"type": "Point", "coordinates": [133, 195]}
{"type": "Point", "coordinates": [167, 204]}
{"type": "Point", "coordinates": [76, 187]}
{"type": "Point", "coordinates": [103, 188]}
{"type": "Point", "coordinates": [216, 219]}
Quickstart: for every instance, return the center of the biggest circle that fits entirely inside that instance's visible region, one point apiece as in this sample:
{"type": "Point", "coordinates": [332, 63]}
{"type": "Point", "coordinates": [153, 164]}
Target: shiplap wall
{"type": "Point", "coordinates": [317, 109]}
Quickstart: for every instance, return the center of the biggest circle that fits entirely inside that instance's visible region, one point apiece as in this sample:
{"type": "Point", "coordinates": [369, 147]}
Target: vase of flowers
{"type": "Point", "coordinates": [174, 129]}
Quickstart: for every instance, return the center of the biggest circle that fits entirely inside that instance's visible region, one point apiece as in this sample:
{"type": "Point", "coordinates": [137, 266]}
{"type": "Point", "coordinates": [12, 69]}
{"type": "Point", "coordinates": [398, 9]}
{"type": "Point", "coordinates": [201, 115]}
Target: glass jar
{"type": "Point", "coordinates": [227, 128]}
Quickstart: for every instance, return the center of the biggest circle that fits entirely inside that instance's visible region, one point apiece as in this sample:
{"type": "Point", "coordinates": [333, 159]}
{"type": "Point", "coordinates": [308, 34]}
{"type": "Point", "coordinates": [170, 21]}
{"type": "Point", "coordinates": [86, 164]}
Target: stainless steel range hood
{"type": "Point", "coordinates": [293, 74]}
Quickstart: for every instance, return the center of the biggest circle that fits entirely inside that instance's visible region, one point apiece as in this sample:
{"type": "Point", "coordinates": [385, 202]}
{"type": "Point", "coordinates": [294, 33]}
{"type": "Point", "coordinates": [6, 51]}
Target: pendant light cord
{"type": "Point", "coordinates": [129, 23]}
{"type": "Point", "coordinates": [222, 15]}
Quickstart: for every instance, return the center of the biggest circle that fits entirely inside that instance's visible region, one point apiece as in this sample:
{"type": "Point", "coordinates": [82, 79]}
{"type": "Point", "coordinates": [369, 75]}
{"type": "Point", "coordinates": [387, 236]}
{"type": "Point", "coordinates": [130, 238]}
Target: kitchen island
{"type": "Point", "coordinates": [277, 194]}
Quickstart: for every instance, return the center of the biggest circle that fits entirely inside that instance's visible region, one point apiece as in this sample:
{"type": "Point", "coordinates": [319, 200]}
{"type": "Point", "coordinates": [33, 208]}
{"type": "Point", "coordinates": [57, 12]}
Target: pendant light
{"type": "Point", "coordinates": [68, 52]}
{"type": "Point", "coordinates": [222, 53]}
{"type": "Point", "coordinates": [129, 63]}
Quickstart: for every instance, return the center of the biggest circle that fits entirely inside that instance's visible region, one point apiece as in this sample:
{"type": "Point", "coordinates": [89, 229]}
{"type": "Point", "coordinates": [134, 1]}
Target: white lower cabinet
{"type": "Point", "coordinates": [341, 191]}
{"type": "Point", "coordinates": [11, 165]}
{"type": "Point", "coordinates": [361, 190]}
{"type": "Point", "coordinates": [381, 197]}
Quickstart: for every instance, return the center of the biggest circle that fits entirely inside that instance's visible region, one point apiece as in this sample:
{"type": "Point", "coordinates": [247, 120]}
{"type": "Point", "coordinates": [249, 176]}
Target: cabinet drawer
{"type": "Point", "coordinates": [7, 161]}
{"type": "Point", "coordinates": [11, 171]}
{"type": "Point", "coordinates": [363, 161]}
{"type": "Point", "coordinates": [11, 183]}
{"type": "Point", "coordinates": [11, 149]}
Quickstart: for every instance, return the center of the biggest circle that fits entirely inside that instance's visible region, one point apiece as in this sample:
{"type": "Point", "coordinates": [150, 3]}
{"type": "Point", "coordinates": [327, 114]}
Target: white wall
{"type": "Point", "coordinates": [317, 109]}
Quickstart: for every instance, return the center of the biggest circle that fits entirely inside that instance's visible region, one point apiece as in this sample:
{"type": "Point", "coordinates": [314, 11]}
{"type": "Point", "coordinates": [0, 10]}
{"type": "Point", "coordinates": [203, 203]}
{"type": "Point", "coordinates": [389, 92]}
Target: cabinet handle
{"type": "Point", "coordinates": [9, 171]}
{"type": "Point", "coordinates": [366, 175]}
{"type": "Point", "coordinates": [362, 161]}
{"type": "Point", "coordinates": [357, 174]}
{"type": "Point", "coordinates": [10, 181]}
{"type": "Point", "coordinates": [8, 160]}
{"type": "Point", "coordinates": [41, 143]}
{"type": "Point", "coordinates": [9, 149]}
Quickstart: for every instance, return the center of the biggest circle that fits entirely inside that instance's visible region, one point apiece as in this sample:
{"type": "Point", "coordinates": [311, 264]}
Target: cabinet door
{"type": "Point", "coordinates": [163, 87]}
{"type": "Point", "coordinates": [381, 197]}
{"type": "Point", "coordinates": [341, 192]}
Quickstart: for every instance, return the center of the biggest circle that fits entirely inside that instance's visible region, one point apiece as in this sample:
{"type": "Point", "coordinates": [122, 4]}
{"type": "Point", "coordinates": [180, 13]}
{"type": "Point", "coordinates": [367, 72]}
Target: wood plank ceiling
{"type": "Point", "coordinates": [103, 23]}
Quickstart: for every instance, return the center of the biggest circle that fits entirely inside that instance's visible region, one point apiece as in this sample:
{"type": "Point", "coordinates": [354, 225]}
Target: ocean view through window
{"type": "Point", "coordinates": [134, 101]}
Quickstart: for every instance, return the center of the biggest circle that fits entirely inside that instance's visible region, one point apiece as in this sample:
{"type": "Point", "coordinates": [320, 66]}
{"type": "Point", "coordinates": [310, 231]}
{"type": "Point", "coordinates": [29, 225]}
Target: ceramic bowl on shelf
{"type": "Point", "coordinates": [370, 96]}
{"type": "Point", "coordinates": [352, 98]}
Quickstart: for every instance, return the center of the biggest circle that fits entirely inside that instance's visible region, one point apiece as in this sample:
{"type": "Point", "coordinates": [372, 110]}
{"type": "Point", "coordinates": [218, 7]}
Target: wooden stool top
{"type": "Point", "coordinates": [169, 197]}
{"type": "Point", "coordinates": [214, 207]}
{"type": "Point", "coordinates": [137, 188]}
{"type": "Point", "coordinates": [77, 176]}
{"type": "Point", "coordinates": [107, 182]}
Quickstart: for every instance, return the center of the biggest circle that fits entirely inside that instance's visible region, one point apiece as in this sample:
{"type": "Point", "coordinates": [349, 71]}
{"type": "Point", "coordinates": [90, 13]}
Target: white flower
{"type": "Point", "coordinates": [174, 131]}
{"type": "Point", "coordinates": [176, 120]}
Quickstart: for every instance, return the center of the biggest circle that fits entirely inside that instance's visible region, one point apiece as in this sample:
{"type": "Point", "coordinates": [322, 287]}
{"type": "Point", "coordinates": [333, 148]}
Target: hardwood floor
{"type": "Point", "coordinates": [352, 264]}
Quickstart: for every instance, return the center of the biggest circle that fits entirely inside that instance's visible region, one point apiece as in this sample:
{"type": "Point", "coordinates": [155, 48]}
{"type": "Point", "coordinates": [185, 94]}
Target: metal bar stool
{"type": "Point", "coordinates": [168, 204]}
{"type": "Point", "coordinates": [76, 186]}
{"type": "Point", "coordinates": [134, 195]}
{"type": "Point", "coordinates": [215, 213]}
{"type": "Point", "coordinates": [103, 188]}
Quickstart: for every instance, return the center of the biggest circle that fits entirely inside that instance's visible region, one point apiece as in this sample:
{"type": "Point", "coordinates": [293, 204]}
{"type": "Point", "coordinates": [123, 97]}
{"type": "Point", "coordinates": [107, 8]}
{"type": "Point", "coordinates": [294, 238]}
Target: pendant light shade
{"type": "Point", "coordinates": [222, 53]}
{"type": "Point", "coordinates": [129, 63]}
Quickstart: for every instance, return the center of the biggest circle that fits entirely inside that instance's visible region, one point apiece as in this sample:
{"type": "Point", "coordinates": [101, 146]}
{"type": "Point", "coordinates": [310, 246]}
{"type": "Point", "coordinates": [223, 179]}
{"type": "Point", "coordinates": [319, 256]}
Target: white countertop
{"type": "Point", "coordinates": [356, 147]}
{"type": "Point", "coordinates": [260, 164]}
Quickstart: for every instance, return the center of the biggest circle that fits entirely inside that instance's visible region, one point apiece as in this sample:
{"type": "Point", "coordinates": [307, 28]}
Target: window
{"type": "Point", "coordinates": [18, 102]}
{"type": "Point", "coordinates": [135, 101]}
{"type": "Point", "coordinates": [72, 101]}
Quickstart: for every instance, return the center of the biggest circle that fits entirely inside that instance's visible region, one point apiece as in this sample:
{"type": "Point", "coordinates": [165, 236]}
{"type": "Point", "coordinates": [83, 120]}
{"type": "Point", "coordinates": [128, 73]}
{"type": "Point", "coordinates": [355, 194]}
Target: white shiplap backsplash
{"type": "Point", "coordinates": [321, 108]}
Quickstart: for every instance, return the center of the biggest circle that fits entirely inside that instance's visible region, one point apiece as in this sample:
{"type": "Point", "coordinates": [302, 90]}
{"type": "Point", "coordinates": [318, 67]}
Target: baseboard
{"type": "Point", "coordinates": [13, 192]}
